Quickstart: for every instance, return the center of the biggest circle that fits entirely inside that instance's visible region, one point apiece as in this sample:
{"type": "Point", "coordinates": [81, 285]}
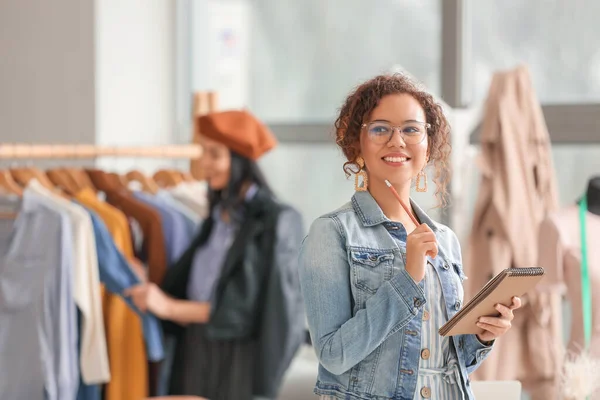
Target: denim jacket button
{"type": "Point", "coordinates": [373, 258]}
{"type": "Point", "coordinates": [418, 302]}
{"type": "Point", "coordinates": [425, 315]}
{"type": "Point", "coordinates": [446, 266]}
{"type": "Point", "coordinates": [457, 305]}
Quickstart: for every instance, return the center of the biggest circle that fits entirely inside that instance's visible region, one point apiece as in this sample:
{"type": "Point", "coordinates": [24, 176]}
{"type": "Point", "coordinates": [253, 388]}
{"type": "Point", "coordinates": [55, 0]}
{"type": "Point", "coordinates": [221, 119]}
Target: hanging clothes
{"type": "Point", "coordinates": [517, 191]}
{"type": "Point", "coordinates": [257, 321]}
{"type": "Point", "coordinates": [192, 218]}
{"type": "Point", "coordinates": [124, 331]}
{"type": "Point", "coordinates": [194, 195]}
{"type": "Point", "coordinates": [154, 242]}
{"type": "Point", "coordinates": [148, 218]}
{"type": "Point", "coordinates": [86, 288]}
{"type": "Point", "coordinates": [178, 232]}
{"type": "Point", "coordinates": [36, 260]}
{"type": "Point", "coordinates": [115, 220]}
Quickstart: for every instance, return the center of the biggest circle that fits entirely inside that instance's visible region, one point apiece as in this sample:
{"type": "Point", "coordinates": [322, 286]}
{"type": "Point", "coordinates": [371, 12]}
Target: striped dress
{"type": "Point", "coordinates": [439, 374]}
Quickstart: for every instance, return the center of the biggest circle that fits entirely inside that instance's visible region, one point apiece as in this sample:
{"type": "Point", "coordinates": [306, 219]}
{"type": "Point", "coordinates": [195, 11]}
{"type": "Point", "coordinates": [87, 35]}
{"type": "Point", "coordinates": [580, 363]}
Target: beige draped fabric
{"type": "Point", "coordinates": [517, 191]}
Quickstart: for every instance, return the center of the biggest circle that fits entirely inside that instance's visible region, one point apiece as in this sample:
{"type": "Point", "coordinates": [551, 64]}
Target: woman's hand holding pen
{"type": "Point", "coordinates": [419, 244]}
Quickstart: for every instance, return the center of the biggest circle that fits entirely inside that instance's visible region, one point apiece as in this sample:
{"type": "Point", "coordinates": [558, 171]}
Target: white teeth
{"type": "Point", "coordinates": [395, 159]}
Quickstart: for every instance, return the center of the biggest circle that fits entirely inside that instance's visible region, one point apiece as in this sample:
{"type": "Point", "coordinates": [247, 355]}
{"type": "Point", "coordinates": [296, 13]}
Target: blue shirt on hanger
{"type": "Point", "coordinates": [117, 276]}
{"type": "Point", "coordinates": [177, 231]}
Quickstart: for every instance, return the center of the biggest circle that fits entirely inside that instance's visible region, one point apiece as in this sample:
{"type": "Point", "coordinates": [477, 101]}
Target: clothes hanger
{"type": "Point", "coordinates": [82, 180]}
{"type": "Point", "coordinates": [187, 177]}
{"type": "Point", "coordinates": [103, 181]}
{"type": "Point", "coordinates": [148, 184]}
{"type": "Point", "coordinates": [23, 175]}
{"type": "Point", "coordinates": [117, 181]}
{"type": "Point", "coordinates": [9, 184]}
{"type": "Point", "coordinates": [61, 179]}
{"type": "Point", "coordinates": [167, 178]}
{"type": "Point", "coordinates": [73, 178]}
{"type": "Point", "coordinates": [77, 178]}
{"type": "Point", "coordinates": [26, 174]}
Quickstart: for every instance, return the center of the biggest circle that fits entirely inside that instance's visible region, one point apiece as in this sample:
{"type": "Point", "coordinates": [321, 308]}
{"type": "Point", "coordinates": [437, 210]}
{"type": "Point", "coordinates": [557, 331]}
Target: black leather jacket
{"type": "Point", "coordinates": [258, 294]}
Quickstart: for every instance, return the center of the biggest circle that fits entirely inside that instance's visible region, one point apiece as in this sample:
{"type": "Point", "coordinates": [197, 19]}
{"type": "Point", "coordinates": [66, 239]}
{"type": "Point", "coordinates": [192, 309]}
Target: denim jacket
{"type": "Point", "coordinates": [364, 310]}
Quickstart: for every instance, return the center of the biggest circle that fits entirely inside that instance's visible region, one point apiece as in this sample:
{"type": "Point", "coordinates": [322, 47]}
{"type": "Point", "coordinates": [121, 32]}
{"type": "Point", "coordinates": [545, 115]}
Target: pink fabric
{"type": "Point", "coordinates": [560, 255]}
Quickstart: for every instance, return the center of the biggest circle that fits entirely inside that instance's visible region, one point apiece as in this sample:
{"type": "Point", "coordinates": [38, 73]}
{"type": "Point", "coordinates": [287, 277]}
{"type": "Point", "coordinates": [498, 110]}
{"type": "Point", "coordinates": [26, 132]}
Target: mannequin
{"type": "Point", "coordinates": [560, 255]}
{"type": "Point", "coordinates": [593, 195]}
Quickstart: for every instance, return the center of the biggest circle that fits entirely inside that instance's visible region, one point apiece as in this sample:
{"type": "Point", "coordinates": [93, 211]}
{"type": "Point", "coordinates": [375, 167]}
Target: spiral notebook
{"type": "Point", "coordinates": [501, 289]}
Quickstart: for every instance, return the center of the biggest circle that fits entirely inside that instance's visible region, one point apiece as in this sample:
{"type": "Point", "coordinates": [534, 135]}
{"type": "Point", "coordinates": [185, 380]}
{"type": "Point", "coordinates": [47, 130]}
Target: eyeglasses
{"type": "Point", "coordinates": [412, 132]}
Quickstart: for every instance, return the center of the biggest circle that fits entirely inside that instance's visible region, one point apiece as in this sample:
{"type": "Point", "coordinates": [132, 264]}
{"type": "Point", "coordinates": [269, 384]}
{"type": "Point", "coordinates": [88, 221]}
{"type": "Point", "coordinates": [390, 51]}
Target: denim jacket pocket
{"type": "Point", "coordinates": [459, 270]}
{"type": "Point", "coordinates": [370, 268]}
{"type": "Point", "coordinates": [460, 292]}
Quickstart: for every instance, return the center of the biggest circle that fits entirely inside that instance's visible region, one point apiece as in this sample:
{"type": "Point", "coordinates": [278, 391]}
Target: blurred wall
{"type": "Point", "coordinates": [88, 72]}
{"type": "Point", "coordinates": [135, 77]}
{"type": "Point", "coordinates": [47, 71]}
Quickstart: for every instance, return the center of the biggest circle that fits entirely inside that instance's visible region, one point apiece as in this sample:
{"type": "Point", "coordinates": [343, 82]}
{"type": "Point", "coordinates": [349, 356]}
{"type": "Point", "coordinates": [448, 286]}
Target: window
{"type": "Point", "coordinates": [558, 41]}
{"type": "Point", "coordinates": [305, 56]}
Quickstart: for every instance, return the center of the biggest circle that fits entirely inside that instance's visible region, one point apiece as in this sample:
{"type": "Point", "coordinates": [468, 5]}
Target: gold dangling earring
{"type": "Point", "coordinates": [421, 189]}
{"type": "Point", "coordinates": [361, 174]}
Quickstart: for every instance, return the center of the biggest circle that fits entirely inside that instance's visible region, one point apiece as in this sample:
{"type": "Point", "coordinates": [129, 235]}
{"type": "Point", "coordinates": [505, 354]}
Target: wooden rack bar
{"type": "Point", "coordinates": [29, 151]}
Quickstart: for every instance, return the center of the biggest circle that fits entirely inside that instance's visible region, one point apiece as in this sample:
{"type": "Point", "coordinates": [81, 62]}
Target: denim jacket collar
{"type": "Point", "coordinates": [371, 214]}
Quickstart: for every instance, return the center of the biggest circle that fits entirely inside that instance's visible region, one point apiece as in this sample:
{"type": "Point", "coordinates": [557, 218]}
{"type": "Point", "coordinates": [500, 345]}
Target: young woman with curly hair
{"type": "Point", "coordinates": [377, 286]}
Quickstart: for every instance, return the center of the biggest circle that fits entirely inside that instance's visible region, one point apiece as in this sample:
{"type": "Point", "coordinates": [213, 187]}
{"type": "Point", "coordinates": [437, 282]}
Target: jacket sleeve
{"type": "Point", "coordinates": [283, 327]}
{"type": "Point", "coordinates": [474, 351]}
{"type": "Point", "coordinates": [341, 339]}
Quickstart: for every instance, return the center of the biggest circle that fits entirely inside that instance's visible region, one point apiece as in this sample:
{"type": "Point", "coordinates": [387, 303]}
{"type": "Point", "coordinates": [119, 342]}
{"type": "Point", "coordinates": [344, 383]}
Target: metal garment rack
{"type": "Point", "coordinates": [82, 151]}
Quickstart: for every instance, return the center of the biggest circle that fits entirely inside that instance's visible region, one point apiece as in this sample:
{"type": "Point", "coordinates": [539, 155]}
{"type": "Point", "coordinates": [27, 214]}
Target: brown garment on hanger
{"type": "Point", "coordinates": [146, 216]}
{"type": "Point", "coordinates": [517, 191]}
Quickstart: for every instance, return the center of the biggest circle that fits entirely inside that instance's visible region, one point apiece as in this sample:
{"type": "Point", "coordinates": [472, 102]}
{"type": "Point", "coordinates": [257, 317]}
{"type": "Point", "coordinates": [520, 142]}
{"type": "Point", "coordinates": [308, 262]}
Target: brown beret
{"type": "Point", "coordinates": [240, 131]}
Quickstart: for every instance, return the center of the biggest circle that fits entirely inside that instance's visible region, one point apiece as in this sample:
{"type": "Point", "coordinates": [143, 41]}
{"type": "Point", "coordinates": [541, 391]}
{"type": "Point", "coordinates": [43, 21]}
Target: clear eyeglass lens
{"type": "Point", "coordinates": [381, 132]}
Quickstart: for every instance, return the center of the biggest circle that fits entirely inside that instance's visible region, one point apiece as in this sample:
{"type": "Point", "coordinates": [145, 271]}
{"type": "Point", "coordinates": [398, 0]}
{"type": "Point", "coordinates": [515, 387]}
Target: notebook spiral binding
{"type": "Point", "coordinates": [529, 271]}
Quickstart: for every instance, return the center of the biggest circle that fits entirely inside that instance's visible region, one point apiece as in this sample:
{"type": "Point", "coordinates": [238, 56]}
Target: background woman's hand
{"type": "Point", "coordinates": [149, 297]}
{"type": "Point", "coordinates": [497, 326]}
{"type": "Point", "coordinates": [420, 243]}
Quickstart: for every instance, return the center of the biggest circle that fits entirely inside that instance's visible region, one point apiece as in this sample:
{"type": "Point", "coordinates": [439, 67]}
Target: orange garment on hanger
{"type": "Point", "coordinates": [124, 333]}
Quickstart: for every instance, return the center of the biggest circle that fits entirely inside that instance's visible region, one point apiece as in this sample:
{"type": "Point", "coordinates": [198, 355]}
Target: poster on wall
{"type": "Point", "coordinates": [228, 52]}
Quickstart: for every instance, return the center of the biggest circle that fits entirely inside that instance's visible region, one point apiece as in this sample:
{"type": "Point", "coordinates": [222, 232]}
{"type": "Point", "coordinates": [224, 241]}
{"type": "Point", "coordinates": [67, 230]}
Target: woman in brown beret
{"type": "Point", "coordinates": [232, 303]}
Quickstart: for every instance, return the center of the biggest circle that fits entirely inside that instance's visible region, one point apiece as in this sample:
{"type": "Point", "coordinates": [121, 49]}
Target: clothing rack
{"type": "Point", "coordinates": [28, 151]}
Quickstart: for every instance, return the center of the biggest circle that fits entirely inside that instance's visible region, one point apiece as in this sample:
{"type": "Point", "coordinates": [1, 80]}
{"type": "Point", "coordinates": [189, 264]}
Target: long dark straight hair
{"type": "Point", "coordinates": [243, 171]}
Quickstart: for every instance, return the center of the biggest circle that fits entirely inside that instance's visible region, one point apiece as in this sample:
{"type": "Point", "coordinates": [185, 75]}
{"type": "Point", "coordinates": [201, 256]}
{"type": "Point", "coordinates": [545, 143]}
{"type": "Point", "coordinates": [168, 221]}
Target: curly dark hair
{"type": "Point", "coordinates": [361, 102]}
